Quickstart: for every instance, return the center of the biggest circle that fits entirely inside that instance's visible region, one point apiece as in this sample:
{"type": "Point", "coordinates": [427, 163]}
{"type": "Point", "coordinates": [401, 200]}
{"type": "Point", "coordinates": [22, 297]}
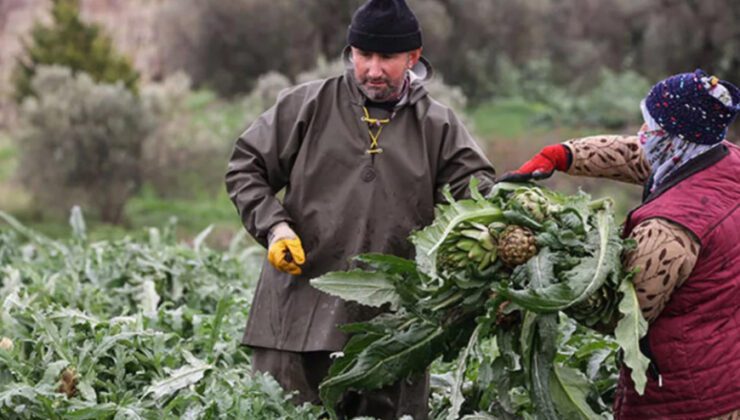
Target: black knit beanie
{"type": "Point", "coordinates": [384, 26]}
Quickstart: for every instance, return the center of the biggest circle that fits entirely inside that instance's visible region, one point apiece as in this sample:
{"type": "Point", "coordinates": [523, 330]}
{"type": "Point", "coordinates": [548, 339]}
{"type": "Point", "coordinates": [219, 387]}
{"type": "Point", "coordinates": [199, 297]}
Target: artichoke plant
{"type": "Point", "coordinates": [544, 253]}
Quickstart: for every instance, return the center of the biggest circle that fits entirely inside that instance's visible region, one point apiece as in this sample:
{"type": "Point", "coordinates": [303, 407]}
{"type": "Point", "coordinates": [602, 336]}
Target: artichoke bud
{"type": "Point", "coordinates": [471, 245]}
{"type": "Point", "coordinates": [6, 344]}
{"type": "Point", "coordinates": [69, 381]}
{"type": "Point", "coordinates": [516, 245]}
{"type": "Point", "coordinates": [597, 307]}
{"type": "Point", "coordinates": [533, 203]}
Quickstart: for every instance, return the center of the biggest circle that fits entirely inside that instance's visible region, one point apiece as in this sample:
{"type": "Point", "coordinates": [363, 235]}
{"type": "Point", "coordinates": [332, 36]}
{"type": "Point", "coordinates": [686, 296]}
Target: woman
{"type": "Point", "coordinates": [688, 251]}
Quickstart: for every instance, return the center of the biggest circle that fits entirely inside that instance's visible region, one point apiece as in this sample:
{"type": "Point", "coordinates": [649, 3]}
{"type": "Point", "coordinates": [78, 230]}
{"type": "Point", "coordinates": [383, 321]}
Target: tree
{"type": "Point", "coordinates": [82, 143]}
{"type": "Point", "coordinates": [226, 45]}
{"type": "Point", "coordinates": [74, 44]}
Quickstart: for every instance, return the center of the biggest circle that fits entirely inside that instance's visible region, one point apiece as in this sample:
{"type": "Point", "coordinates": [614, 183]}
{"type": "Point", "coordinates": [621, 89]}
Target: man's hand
{"type": "Point", "coordinates": [542, 165]}
{"type": "Point", "coordinates": [285, 252]}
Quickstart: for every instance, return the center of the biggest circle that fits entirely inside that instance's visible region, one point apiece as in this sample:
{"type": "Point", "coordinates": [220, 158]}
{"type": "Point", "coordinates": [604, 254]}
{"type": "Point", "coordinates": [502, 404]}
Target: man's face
{"type": "Point", "coordinates": [381, 75]}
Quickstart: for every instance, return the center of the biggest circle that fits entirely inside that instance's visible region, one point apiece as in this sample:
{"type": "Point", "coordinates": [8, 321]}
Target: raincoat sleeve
{"type": "Point", "coordinates": [460, 159]}
{"type": "Point", "coordinates": [615, 157]}
{"type": "Point", "coordinates": [261, 163]}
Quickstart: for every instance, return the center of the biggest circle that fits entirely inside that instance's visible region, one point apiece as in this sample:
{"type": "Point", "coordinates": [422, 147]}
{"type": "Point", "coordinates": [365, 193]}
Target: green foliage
{"type": "Point", "coordinates": [82, 143]}
{"type": "Point", "coordinates": [322, 70]}
{"type": "Point", "coordinates": [266, 91]}
{"type": "Point", "coordinates": [614, 102]}
{"type": "Point", "coordinates": [185, 156]}
{"type": "Point", "coordinates": [602, 245]}
{"type": "Point", "coordinates": [610, 101]}
{"type": "Point", "coordinates": [451, 310]}
{"type": "Point", "coordinates": [225, 45]}
{"type": "Point", "coordinates": [193, 214]}
{"type": "Point", "coordinates": [141, 329]}
{"type": "Point", "coordinates": [508, 117]}
{"type": "Point", "coordinates": [7, 157]}
{"type": "Point", "coordinates": [71, 43]}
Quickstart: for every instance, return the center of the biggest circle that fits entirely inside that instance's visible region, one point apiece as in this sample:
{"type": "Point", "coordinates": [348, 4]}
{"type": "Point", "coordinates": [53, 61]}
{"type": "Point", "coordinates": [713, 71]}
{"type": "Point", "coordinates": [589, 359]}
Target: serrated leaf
{"type": "Point", "coordinates": [570, 390]}
{"type": "Point", "coordinates": [541, 269]}
{"type": "Point", "coordinates": [385, 361]}
{"type": "Point", "coordinates": [544, 344]}
{"type": "Point", "coordinates": [91, 412]}
{"type": "Point", "coordinates": [223, 305]}
{"type": "Point", "coordinates": [87, 392]}
{"type": "Point", "coordinates": [389, 264]}
{"type": "Point", "coordinates": [630, 329]}
{"type": "Point", "coordinates": [596, 361]}
{"type": "Point", "coordinates": [179, 378]}
{"type": "Point", "coordinates": [18, 390]}
{"type": "Point", "coordinates": [457, 398]}
{"type": "Point", "coordinates": [127, 413]}
{"type": "Point", "coordinates": [77, 222]}
{"type": "Point", "coordinates": [32, 234]}
{"type": "Point", "coordinates": [585, 278]}
{"type": "Point", "coordinates": [368, 288]}
{"type": "Point", "coordinates": [148, 298]}
{"type": "Point", "coordinates": [198, 241]}
{"type": "Point", "coordinates": [479, 416]}
{"type": "Point", "coordinates": [51, 374]}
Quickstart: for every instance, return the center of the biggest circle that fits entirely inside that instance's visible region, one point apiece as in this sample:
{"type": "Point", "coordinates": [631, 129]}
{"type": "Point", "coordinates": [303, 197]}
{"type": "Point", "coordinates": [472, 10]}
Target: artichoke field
{"type": "Point", "coordinates": [506, 290]}
{"type": "Point", "coordinates": [500, 304]}
{"type": "Point", "coordinates": [128, 329]}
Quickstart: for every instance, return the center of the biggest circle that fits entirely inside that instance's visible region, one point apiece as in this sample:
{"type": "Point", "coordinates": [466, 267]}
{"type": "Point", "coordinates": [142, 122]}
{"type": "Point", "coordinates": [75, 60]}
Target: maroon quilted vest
{"type": "Point", "coordinates": [695, 342]}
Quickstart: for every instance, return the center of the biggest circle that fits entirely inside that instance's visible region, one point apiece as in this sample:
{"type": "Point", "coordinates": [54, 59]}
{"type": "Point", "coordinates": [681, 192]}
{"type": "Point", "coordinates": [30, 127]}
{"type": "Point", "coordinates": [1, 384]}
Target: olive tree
{"type": "Point", "coordinates": [81, 143]}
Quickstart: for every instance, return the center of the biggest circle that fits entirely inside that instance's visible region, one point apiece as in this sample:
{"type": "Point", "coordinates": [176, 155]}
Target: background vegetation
{"type": "Point", "coordinates": [137, 148]}
{"type": "Point", "coordinates": [523, 74]}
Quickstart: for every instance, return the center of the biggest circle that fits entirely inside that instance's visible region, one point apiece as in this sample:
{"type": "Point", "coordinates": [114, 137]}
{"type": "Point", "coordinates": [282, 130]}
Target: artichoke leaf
{"type": "Point", "coordinates": [368, 288]}
{"type": "Point", "coordinates": [630, 329]}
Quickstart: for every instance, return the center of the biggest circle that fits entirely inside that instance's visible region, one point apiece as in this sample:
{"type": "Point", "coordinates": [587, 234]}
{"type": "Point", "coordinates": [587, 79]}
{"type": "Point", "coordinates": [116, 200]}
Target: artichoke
{"type": "Point", "coordinates": [470, 245]}
{"type": "Point", "coordinates": [6, 344]}
{"type": "Point", "coordinates": [69, 381]}
{"type": "Point", "coordinates": [533, 203]}
{"type": "Point", "coordinates": [599, 309]}
{"type": "Point", "coordinates": [516, 245]}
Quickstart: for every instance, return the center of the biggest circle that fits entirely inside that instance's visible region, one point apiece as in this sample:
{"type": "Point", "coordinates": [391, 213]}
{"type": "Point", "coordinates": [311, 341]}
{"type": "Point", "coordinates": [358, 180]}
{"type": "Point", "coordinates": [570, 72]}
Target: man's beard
{"type": "Point", "coordinates": [386, 93]}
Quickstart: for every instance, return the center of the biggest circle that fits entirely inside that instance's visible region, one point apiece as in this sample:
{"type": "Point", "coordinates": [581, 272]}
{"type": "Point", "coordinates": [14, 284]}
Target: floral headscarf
{"type": "Point", "coordinates": [667, 153]}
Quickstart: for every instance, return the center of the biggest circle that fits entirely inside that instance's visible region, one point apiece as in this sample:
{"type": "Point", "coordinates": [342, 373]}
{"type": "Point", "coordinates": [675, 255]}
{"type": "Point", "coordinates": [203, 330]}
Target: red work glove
{"type": "Point", "coordinates": [542, 165]}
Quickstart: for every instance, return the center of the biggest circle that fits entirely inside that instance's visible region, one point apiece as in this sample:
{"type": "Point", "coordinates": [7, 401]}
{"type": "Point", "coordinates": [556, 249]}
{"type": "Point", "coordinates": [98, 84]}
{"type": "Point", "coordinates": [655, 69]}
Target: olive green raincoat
{"type": "Point", "coordinates": [339, 199]}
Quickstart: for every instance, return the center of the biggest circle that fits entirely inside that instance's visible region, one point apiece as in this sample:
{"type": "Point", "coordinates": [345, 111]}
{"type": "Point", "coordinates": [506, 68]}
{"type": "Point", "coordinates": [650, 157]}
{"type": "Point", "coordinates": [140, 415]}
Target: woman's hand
{"type": "Point", "coordinates": [542, 165]}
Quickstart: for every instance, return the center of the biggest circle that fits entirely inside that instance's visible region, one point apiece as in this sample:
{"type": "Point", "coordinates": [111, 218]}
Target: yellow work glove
{"type": "Point", "coordinates": [285, 252]}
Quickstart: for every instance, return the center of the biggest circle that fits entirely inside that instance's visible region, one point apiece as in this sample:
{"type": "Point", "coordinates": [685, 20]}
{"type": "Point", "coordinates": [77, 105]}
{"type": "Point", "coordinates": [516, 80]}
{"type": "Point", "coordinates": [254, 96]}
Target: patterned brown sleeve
{"type": "Point", "coordinates": [614, 157]}
{"type": "Point", "coordinates": [665, 256]}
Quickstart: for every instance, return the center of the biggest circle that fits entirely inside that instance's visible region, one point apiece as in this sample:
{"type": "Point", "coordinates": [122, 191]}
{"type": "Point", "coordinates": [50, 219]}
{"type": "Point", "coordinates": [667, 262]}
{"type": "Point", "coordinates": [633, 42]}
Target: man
{"type": "Point", "coordinates": [363, 158]}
